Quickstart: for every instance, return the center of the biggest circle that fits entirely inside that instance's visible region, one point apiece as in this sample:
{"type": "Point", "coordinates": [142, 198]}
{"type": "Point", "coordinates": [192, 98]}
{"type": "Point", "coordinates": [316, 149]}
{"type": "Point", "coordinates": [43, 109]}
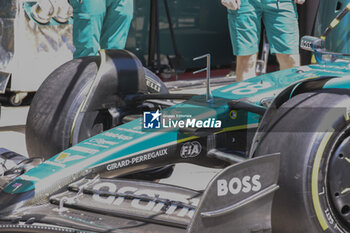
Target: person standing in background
{"type": "Point", "coordinates": [281, 23]}
{"type": "Point", "coordinates": [100, 24]}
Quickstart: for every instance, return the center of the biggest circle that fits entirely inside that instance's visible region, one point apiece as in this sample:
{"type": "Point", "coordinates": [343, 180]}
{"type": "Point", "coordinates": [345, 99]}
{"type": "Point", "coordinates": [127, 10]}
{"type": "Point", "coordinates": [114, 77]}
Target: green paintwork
{"type": "Point", "coordinates": [133, 139]}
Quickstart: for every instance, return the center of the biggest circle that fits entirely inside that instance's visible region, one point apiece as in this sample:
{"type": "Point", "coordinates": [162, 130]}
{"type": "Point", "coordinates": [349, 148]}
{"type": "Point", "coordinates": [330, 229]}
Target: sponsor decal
{"type": "Point", "coordinates": [331, 221]}
{"type": "Point", "coordinates": [247, 88]}
{"type": "Point", "coordinates": [84, 149]}
{"type": "Point", "coordinates": [16, 186]}
{"type": "Point", "coordinates": [304, 69]}
{"type": "Point", "coordinates": [55, 164]}
{"type": "Point", "coordinates": [117, 135]}
{"type": "Point", "coordinates": [306, 44]}
{"type": "Point", "coordinates": [151, 206]}
{"type": "Point", "coordinates": [130, 130]}
{"type": "Point", "coordinates": [236, 185]}
{"type": "Point", "coordinates": [62, 156]}
{"type": "Point", "coordinates": [102, 141]}
{"type": "Point", "coordinates": [233, 114]}
{"type": "Point", "coordinates": [190, 150]}
{"type": "Point", "coordinates": [119, 164]}
{"type": "Point", "coordinates": [65, 157]}
{"type": "Point", "coordinates": [137, 159]}
{"type": "Point", "coordinates": [151, 120]}
{"type": "Point", "coordinates": [152, 84]}
{"type": "Point", "coordinates": [137, 127]}
{"type": "Point", "coordinates": [94, 144]}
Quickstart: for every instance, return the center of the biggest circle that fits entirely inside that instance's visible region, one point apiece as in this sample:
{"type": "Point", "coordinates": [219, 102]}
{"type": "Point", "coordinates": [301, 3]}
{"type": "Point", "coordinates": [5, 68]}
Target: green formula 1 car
{"type": "Point", "coordinates": [281, 140]}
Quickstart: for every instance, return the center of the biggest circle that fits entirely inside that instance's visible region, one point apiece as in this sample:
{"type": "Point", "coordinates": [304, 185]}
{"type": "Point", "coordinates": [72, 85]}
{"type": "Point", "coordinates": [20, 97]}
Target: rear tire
{"type": "Point", "coordinates": [312, 133]}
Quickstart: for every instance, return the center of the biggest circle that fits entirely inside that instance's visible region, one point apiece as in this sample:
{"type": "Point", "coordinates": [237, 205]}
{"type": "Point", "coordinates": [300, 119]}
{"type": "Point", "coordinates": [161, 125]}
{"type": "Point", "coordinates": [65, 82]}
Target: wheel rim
{"type": "Point", "coordinates": [94, 123]}
{"type": "Point", "coordinates": [338, 182]}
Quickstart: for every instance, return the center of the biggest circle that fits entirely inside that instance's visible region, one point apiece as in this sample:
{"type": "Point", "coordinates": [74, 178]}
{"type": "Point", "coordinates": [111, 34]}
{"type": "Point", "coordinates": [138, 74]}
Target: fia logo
{"type": "Point", "coordinates": [151, 120]}
{"type": "Point", "coordinates": [190, 149]}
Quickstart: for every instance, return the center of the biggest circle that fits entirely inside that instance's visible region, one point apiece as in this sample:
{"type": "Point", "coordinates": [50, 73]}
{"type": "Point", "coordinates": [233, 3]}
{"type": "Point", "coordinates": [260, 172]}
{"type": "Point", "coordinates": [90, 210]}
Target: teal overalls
{"type": "Point", "coordinates": [100, 24]}
{"type": "Point", "coordinates": [280, 20]}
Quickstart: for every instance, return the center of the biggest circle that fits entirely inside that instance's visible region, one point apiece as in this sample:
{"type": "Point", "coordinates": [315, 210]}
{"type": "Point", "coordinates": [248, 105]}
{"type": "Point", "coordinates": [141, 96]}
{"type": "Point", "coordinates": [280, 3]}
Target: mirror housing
{"type": "Point", "coordinates": [312, 44]}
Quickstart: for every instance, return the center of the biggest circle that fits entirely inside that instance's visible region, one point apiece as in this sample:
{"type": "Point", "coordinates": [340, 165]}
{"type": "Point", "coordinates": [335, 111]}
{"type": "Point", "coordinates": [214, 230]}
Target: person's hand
{"type": "Point", "coordinates": [299, 1]}
{"type": "Point", "coordinates": [233, 4]}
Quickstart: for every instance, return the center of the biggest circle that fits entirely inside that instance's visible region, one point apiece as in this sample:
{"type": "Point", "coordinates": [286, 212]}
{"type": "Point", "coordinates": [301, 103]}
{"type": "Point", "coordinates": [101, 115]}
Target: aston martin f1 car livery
{"type": "Point", "coordinates": [281, 141]}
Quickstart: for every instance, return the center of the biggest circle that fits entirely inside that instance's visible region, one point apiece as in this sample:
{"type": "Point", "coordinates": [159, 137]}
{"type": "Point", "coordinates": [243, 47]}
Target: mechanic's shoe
{"type": "Point", "coordinates": [231, 74]}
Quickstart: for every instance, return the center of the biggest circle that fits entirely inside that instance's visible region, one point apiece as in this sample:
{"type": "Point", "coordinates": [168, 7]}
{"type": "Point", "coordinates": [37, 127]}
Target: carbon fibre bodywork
{"type": "Point", "coordinates": [130, 141]}
{"type": "Point", "coordinates": [67, 179]}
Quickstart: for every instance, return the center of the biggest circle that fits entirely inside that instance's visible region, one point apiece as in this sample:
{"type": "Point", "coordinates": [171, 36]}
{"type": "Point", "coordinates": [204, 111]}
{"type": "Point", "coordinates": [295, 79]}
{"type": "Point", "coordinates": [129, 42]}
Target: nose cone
{"type": "Point", "coordinates": [10, 202]}
{"type": "Point", "coordinates": [15, 195]}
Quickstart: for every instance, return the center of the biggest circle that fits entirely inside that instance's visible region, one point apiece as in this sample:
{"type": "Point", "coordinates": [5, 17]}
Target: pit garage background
{"type": "Point", "coordinates": [36, 38]}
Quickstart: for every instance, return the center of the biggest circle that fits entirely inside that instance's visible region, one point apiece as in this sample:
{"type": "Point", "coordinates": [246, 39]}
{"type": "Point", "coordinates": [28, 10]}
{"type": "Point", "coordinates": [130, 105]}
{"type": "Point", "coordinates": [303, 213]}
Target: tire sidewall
{"type": "Point", "coordinates": [318, 173]}
{"type": "Point", "coordinates": [300, 205]}
{"type": "Point", "coordinates": [48, 118]}
{"type": "Point", "coordinates": [57, 102]}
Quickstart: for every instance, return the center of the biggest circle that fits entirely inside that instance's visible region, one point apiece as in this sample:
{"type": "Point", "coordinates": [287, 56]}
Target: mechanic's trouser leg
{"type": "Point", "coordinates": [100, 24]}
{"type": "Point", "coordinates": [287, 61]}
{"type": "Point", "coordinates": [245, 67]}
{"type": "Point", "coordinates": [116, 24]}
{"type": "Point", "coordinates": [88, 19]}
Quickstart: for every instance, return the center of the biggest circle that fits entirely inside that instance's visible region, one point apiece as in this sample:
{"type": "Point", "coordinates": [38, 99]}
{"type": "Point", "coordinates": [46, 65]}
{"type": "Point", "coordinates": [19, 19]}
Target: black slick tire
{"type": "Point", "coordinates": [311, 132]}
{"type": "Point", "coordinates": [55, 104]}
